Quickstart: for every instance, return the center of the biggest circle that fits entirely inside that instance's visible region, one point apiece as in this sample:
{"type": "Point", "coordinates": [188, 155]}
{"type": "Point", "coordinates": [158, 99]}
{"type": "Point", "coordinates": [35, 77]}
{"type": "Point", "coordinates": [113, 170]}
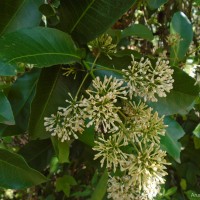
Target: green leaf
{"type": "Point", "coordinates": [6, 114]}
{"type": "Point", "coordinates": [154, 4]}
{"type": "Point", "coordinates": [181, 25]}
{"type": "Point", "coordinates": [52, 91]}
{"type": "Point", "coordinates": [197, 1]}
{"type": "Point", "coordinates": [181, 98]}
{"type": "Point", "coordinates": [171, 191]}
{"type": "Point", "coordinates": [138, 30]}
{"type": "Point", "coordinates": [85, 20]}
{"type": "Point", "coordinates": [196, 142]}
{"type": "Point", "coordinates": [37, 153]}
{"type": "Point", "coordinates": [101, 187]}
{"type": "Point", "coordinates": [19, 14]}
{"type": "Point", "coordinates": [169, 142]}
{"type": "Point", "coordinates": [15, 173]}
{"type": "Point", "coordinates": [64, 183]}
{"type": "Point", "coordinates": [7, 70]}
{"type": "Point", "coordinates": [42, 47]}
{"type": "Point", "coordinates": [62, 150]}
{"type": "Point", "coordinates": [20, 96]}
{"type": "Point", "coordinates": [197, 131]}
{"type": "Point", "coordinates": [87, 136]}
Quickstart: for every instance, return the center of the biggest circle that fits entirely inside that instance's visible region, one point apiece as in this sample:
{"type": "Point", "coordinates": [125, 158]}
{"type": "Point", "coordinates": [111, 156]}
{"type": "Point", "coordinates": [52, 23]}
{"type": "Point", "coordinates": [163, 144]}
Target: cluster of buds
{"type": "Point", "coordinates": [147, 81]}
{"type": "Point", "coordinates": [103, 44]}
{"type": "Point", "coordinates": [127, 133]}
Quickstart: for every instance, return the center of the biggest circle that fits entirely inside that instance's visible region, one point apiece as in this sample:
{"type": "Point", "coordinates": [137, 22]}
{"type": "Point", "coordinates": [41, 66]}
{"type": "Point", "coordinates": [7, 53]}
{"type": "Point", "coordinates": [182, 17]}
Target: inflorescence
{"type": "Point", "coordinates": [127, 133]}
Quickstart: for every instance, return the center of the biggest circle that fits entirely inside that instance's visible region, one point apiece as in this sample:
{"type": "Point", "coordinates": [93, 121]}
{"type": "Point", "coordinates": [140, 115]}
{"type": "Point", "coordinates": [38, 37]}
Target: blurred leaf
{"type": "Point", "coordinates": [154, 4]}
{"type": "Point", "coordinates": [37, 153]}
{"type": "Point", "coordinates": [171, 191]}
{"type": "Point", "coordinates": [183, 184]}
{"type": "Point", "coordinates": [197, 131]}
{"type": "Point", "coordinates": [19, 14]}
{"type": "Point", "coordinates": [7, 69]}
{"type": "Point", "coordinates": [20, 96]}
{"type": "Point", "coordinates": [169, 142]}
{"type": "Point", "coordinates": [15, 173]}
{"type": "Point", "coordinates": [51, 93]}
{"type": "Point", "coordinates": [197, 1]}
{"type": "Point", "coordinates": [40, 46]}
{"type": "Point", "coordinates": [101, 187]}
{"type": "Point", "coordinates": [181, 98]}
{"type": "Point", "coordinates": [192, 173]}
{"type": "Point", "coordinates": [62, 150]}
{"type": "Point", "coordinates": [181, 25]}
{"type": "Point", "coordinates": [85, 20]}
{"type": "Point", "coordinates": [6, 114]}
{"type": "Point", "coordinates": [138, 30]}
{"type": "Point", "coordinates": [54, 165]}
{"type": "Point", "coordinates": [64, 183]}
{"type": "Point", "coordinates": [196, 142]}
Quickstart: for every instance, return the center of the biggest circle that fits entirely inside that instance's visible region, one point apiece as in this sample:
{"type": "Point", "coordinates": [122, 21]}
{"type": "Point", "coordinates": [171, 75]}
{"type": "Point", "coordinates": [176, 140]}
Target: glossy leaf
{"type": "Point", "coordinates": [37, 153]}
{"type": "Point", "coordinates": [154, 4]}
{"type": "Point", "coordinates": [169, 142]}
{"type": "Point", "coordinates": [6, 114]}
{"type": "Point", "coordinates": [181, 97]}
{"type": "Point", "coordinates": [101, 187]}
{"type": "Point", "coordinates": [15, 173]}
{"type": "Point", "coordinates": [20, 96]}
{"type": "Point", "coordinates": [85, 20]}
{"type": "Point", "coordinates": [19, 14]}
{"type": "Point", "coordinates": [52, 91]}
{"type": "Point", "coordinates": [138, 30]}
{"type": "Point", "coordinates": [180, 25]}
{"type": "Point", "coordinates": [42, 47]}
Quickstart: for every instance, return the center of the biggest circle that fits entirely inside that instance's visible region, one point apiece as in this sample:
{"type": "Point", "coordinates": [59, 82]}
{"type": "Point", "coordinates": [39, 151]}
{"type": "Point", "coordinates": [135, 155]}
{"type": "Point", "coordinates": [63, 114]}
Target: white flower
{"type": "Point", "coordinates": [100, 107]}
{"type": "Point", "coordinates": [148, 82]}
{"type": "Point", "coordinates": [142, 124]}
{"type": "Point", "coordinates": [147, 166]}
{"type": "Point", "coordinates": [67, 123]}
{"type": "Point", "coordinates": [109, 151]}
{"type": "Point", "coordinates": [122, 188]}
{"type": "Point", "coordinates": [112, 87]}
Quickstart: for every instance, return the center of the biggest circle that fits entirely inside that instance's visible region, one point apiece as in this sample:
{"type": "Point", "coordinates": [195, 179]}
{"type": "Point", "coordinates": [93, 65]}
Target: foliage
{"type": "Point", "coordinates": [96, 93]}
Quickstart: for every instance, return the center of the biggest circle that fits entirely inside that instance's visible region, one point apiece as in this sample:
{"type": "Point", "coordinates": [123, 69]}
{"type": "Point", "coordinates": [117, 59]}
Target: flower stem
{"type": "Point", "coordinates": [90, 70]}
{"type": "Point", "coordinates": [81, 85]}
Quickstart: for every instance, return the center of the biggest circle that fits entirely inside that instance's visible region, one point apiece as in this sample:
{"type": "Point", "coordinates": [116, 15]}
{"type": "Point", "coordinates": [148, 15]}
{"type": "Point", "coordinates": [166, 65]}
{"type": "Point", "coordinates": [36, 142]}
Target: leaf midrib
{"type": "Point", "coordinates": [83, 14]}
{"type": "Point", "coordinates": [42, 54]}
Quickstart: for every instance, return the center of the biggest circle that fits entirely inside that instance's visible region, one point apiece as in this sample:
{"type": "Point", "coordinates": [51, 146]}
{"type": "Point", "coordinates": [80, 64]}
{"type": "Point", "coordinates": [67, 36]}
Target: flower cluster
{"type": "Point", "coordinates": [109, 150]}
{"type": "Point", "coordinates": [173, 39]}
{"type": "Point", "coordinates": [100, 107]}
{"type": "Point", "coordinates": [147, 81]}
{"type": "Point", "coordinates": [142, 124]}
{"type": "Point", "coordinates": [103, 44]}
{"type": "Point", "coordinates": [127, 133]}
{"type": "Point", "coordinates": [67, 122]}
